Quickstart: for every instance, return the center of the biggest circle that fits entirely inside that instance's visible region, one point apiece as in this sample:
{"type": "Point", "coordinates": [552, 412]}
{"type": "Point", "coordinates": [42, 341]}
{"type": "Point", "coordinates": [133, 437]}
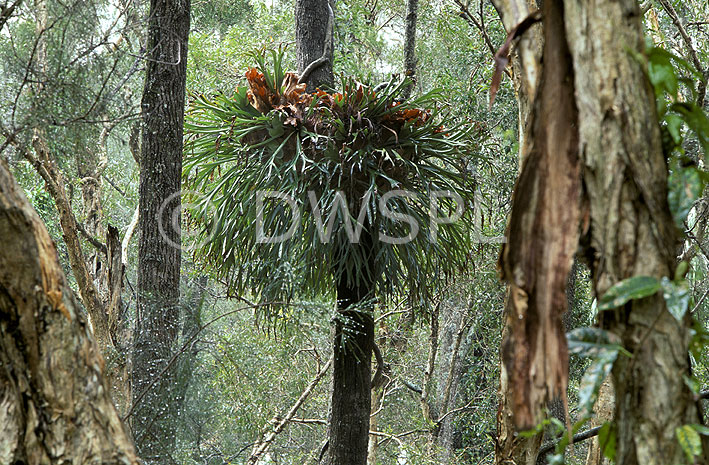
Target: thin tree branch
{"type": "Point", "coordinates": [262, 446]}
{"type": "Point", "coordinates": [582, 436]}
{"type": "Point", "coordinates": [100, 246]}
{"type": "Point", "coordinates": [470, 19]}
{"type": "Point", "coordinates": [672, 13]}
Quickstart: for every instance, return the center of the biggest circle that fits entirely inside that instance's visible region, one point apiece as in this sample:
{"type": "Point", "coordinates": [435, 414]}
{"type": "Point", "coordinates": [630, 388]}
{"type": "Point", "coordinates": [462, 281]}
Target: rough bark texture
{"type": "Point", "coordinates": [511, 448]}
{"type": "Point", "coordinates": [410, 44]}
{"type": "Point", "coordinates": [55, 406]}
{"type": "Point", "coordinates": [313, 25]}
{"type": "Point", "coordinates": [603, 410]}
{"type": "Point", "coordinates": [631, 229]}
{"type": "Point", "coordinates": [351, 402]}
{"type": "Point", "coordinates": [158, 312]}
{"type": "Point", "coordinates": [543, 236]}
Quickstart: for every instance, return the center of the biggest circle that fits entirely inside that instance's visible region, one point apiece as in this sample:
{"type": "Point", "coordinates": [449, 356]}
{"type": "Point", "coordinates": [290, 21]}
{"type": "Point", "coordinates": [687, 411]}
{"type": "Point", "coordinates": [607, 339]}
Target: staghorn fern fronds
{"type": "Point", "coordinates": [355, 147]}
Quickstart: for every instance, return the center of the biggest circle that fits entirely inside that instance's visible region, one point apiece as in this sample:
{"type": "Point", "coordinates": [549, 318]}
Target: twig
{"type": "Point", "coordinates": [672, 13]}
{"type": "Point", "coordinates": [263, 445]}
{"type": "Point", "coordinates": [470, 19]}
{"type": "Point", "coordinates": [92, 240]}
{"type": "Point", "coordinates": [582, 436]}
{"type": "Point", "coordinates": [6, 11]}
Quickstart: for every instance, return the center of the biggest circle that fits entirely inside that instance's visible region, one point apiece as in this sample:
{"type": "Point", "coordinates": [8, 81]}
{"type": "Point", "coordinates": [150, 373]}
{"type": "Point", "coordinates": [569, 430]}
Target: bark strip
{"type": "Point", "coordinates": [543, 234]}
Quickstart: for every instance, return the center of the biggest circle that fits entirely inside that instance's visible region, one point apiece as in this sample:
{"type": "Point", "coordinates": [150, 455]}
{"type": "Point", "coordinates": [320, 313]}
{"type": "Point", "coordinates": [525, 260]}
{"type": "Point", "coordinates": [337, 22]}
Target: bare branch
{"type": "Point", "coordinates": [280, 423]}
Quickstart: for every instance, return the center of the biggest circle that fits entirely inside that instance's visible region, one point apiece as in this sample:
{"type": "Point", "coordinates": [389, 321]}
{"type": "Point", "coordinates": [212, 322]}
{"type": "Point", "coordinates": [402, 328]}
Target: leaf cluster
{"type": "Point", "coordinates": [326, 151]}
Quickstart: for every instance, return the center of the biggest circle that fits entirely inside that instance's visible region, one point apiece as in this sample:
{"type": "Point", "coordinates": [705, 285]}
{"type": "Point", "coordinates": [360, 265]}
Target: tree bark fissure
{"type": "Point", "coordinates": [55, 406]}
{"type": "Point", "coordinates": [159, 249]}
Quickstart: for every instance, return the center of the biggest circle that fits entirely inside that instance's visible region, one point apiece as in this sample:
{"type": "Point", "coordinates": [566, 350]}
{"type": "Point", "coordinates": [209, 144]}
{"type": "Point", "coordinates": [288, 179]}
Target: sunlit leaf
{"type": "Point", "coordinates": [677, 297]}
{"type": "Point", "coordinates": [689, 440]}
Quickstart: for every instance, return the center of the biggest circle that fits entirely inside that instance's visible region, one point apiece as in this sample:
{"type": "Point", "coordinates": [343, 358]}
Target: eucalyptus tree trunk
{"type": "Point", "coordinates": [158, 312]}
{"type": "Point", "coordinates": [511, 448]}
{"type": "Point", "coordinates": [314, 26]}
{"type": "Point", "coordinates": [55, 406]}
{"type": "Point", "coordinates": [592, 74]}
{"type": "Point", "coordinates": [631, 231]}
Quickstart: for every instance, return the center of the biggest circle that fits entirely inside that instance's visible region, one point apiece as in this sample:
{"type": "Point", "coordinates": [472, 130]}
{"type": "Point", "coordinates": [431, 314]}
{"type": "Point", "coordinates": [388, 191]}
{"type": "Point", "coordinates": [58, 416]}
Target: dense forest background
{"type": "Point", "coordinates": [72, 74]}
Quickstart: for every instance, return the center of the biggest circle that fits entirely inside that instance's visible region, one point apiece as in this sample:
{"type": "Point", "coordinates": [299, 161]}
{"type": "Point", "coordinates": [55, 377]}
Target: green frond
{"type": "Point", "coordinates": [355, 143]}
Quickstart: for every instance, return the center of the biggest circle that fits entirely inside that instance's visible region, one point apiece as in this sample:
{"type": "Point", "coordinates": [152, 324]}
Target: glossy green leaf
{"type": "Point", "coordinates": [593, 342]}
{"type": "Point", "coordinates": [685, 186]}
{"type": "Point", "coordinates": [697, 121]}
{"type": "Point", "coordinates": [637, 287]}
{"type": "Point", "coordinates": [607, 440]}
{"type": "Point", "coordinates": [661, 71]}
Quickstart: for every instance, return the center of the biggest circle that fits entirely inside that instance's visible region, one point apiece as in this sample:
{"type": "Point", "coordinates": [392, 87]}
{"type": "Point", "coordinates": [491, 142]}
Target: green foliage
{"type": "Point", "coordinates": [685, 184]}
{"type": "Point", "coordinates": [677, 297]}
{"type": "Point", "coordinates": [323, 150]}
{"type": "Point", "coordinates": [607, 439]}
{"type": "Point", "coordinates": [636, 287]}
{"type": "Point", "coordinates": [603, 347]}
{"type": "Point", "coordinates": [690, 441]}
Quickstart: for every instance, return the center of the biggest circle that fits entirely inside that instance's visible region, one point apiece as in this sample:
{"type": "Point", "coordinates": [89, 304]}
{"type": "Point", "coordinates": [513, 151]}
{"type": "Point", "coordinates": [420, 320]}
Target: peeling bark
{"type": "Point", "coordinates": [631, 230]}
{"type": "Point", "coordinates": [626, 224]}
{"type": "Point", "coordinates": [55, 406]}
{"type": "Point", "coordinates": [511, 448]}
{"type": "Point", "coordinates": [543, 236]}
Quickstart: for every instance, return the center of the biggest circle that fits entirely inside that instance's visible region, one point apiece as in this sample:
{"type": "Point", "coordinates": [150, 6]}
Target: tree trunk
{"type": "Point", "coordinates": [454, 343]}
{"type": "Point", "coordinates": [410, 44]}
{"type": "Point", "coordinates": [627, 229]}
{"type": "Point", "coordinates": [314, 23]}
{"type": "Point", "coordinates": [511, 448]}
{"type": "Point", "coordinates": [158, 312]}
{"type": "Point", "coordinates": [631, 231]}
{"type": "Point", "coordinates": [603, 409]}
{"type": "Point", "coordinates": [348, 432]}
{"type": "Point", "coordinates": [55, 406]}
